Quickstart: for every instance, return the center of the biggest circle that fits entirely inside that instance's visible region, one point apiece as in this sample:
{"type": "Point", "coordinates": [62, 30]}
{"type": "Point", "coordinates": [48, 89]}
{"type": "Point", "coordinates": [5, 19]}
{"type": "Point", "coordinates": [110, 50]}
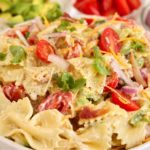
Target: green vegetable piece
{"type": "Point", "coordinates": [138, 46]}
{"type": "Point", "coordinates": [2, 56]}
{"type": "Point", "coordinates": [67, 82]}
{"type": "Point", "coordinates": [63, 26]}
{"type": "Point", "coordinates": [99, 22]}
{"type": "Point", "coordinates": [100, 68]}
{"type": "Point", "coordinates": [4, 5]}
{"type": "Point", "coordinates": [6, 16]}
{"type": "Point", "coordinates": [64, 81]}
{"type": "Point", "coordinates": [78, 84]}
{"type": "Point", "coordinates": [140, 116]}
{"type": "Point", "coordinates": [81, 21]}
{"type": "Point", "coordinates": [140, 62]}
{"type": "Point", "coordinates": [82, 102]}
{"type": "Point", "coordinates": [126, 48]}
{"type": "Point", "coordinates": [18, 53]}
{"type": "Point", "coordinates": [14, 20]}
{"type": "Point", "coordinates": [54, 13]}
{"type": "Point", "coordinates": [21, 8]}
{"type": "Point", "coordinates": [134, 45]}
{"type": "Point", "coordinates": [99, 62]}
{"type": "Point", "coordinates": [27, 34]}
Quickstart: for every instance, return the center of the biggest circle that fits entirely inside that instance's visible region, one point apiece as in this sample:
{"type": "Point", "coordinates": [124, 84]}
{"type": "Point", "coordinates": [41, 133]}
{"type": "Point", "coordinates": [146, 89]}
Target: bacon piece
{"type": "Point", "coordinates": [88, 113]}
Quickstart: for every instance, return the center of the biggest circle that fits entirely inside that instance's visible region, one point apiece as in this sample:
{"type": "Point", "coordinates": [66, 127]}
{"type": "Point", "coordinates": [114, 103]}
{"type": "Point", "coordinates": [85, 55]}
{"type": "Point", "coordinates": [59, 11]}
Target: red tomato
{"type": "Point", "coordinates": [43, 50]}
{"type": "Point", "coordinates": [89, 20]}
{"type": "Point", "coordinates": [109, 12]}
{"type": "Point", "coordinates": [130, 106]}
{"type": "Point", "coordinates": [59, 100]}
{"type": "Point", "coordinates": [88, 6]}
{"type": "Point", "coordinates": [112, 82]}
{"type": "Point", "coordinates": [76, 51]}
{"type": "Point", "coordinates": [13, 92]}
{"type": "Point", "coordinates": [122, 7]}
{"type": "Point", "coordinates": [109, 39]}
{"type": "Point", "coordinates": [32, 40]}
{"type": "Point", "coordinates": [106, 4]}
{"type": "Point", "coordinates": [134, 4]}
{"type": "Point", "coordinates": [106, 7]}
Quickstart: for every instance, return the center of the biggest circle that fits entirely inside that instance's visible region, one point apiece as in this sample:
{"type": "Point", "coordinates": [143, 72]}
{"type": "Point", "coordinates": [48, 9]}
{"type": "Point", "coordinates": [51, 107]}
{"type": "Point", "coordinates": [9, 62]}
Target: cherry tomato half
{"type": "Point", "coordinates": [122, 7]}
{"type": "Point", "coordinates": [134, 4]}
{"type": "Point", "coordinates": [130, 106]}
{"type": "Point", "coordinates": [32, 39]}
{"type": "Point", "coordinates": [88, 6]}
{"type": "Point", "coordinates": [13, 92]}
{"type": "Point", "coordinates": [107, 7]}
{"type": "Point", "coordinates": [109, 39]}
{"type": "Point", "coordinates": [112, 81]}
{"type": "Point", "coordinates": [43, 50]}
{"type": "Point", "coordinates": [59, 100]}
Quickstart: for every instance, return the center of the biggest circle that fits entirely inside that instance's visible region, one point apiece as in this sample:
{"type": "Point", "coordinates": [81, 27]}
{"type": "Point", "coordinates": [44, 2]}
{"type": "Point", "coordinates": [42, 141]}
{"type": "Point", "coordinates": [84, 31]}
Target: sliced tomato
{"type": "Point", "coordinates": [43, 50]}
{"type": "Point", "coordinates": [112, 81]}
{"type": "Point", "coordinates": [122, 7]}
{"type": "Point", "coordinates": [88, 6]}
{"type": "Point", "coordinates": [129, 106]}
{"type": "Point", "coordinates": [109, 39]}
{"type": "Point", "coordinates": [134, 4]}
{"type": "Point", "coordinates": [59, 100]}
{"type": "Point", "coordinates": [106, 4]}
{"type": "Point", "coordinates": [109, 12]}
{"type": "Point", "coordinates": [89, 20]}
{"type": "Point", "coordinates": [75, 52]}
{"type": "Point", "coordinates": [32, 39]}
{"type": "Point", "coordinates": [106, 7]}
{"type": "Point", "coordinates": [13, 92]}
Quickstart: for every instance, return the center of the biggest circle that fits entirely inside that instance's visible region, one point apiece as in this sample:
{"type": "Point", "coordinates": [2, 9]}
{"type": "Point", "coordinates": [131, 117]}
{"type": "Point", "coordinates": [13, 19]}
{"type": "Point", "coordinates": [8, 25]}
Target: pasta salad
{"type": "Point", "coordinates": [75, 84]}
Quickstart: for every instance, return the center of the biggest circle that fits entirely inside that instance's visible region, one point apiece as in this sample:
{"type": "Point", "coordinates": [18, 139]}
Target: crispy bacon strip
{"type": "Point", "coordinates": [88, 113]}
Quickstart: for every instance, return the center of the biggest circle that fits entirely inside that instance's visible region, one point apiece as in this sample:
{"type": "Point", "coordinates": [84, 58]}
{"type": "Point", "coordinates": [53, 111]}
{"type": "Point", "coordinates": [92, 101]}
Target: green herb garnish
{"type": "Point", "coordinates": [98, 22]}
{"type": "Point", "coordinates": [2, 56]}
{"type": "Point", "coordinates": [67, 82]}
{"type": "Point", "coordinates": [54, 13]}
{"type": "Point", "coordinates": [65, 25]}
{"type": "Point", "coordinates": [99, 62]}
{"type": "Point", "coordinates": [18, 53]}
{"type": "Point", "coordinates": [27, 34]}
{"type": "Point", "coordinates": [81, 21]}
{"type": "Point", "coordinates": [138, 46]}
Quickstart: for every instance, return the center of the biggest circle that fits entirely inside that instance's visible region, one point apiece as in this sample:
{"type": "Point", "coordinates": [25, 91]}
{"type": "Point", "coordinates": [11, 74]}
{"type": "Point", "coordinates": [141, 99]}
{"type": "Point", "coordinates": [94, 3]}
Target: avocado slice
{"type": "Point", "coordinates": [5, 16]}
{"type": "Point", "coordinates": [14, 20]}
{"type": "Point", "coordinates": [4, 5]}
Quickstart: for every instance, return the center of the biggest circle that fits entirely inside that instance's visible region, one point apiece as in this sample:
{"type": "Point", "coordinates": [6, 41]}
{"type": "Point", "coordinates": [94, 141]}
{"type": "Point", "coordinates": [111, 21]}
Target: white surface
{"type": "Point", "coordinates": [6, 144]}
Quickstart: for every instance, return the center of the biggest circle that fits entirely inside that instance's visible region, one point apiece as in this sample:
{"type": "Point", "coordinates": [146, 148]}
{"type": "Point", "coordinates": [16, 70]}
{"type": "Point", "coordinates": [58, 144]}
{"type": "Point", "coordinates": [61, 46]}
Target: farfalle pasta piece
{"type": "Point", "coordinates": [16, 123]}
{"type": "Point", "coordinates": [38, 80]}
{"type": "Point", "coordinates": [51, 119]}
{"type": "Point", "coordinates": [97, 137]}
{"type": "Point", "coordinates": [5, 43]}
{"type": "Point", "coordinates": [4, 102]}
{"type": "Point", "coordinates": [129, 135]}
{"type": "Point", "coordinates": [110, 110]}
{"type": "Point", "coordinates": [11, 74]}
{"type": "Point", "coordinates": [37, 137]}
{"type": "Point", "coordinates": [85, 66]}
{"type": "Point", "coordinates": [21, 109]}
